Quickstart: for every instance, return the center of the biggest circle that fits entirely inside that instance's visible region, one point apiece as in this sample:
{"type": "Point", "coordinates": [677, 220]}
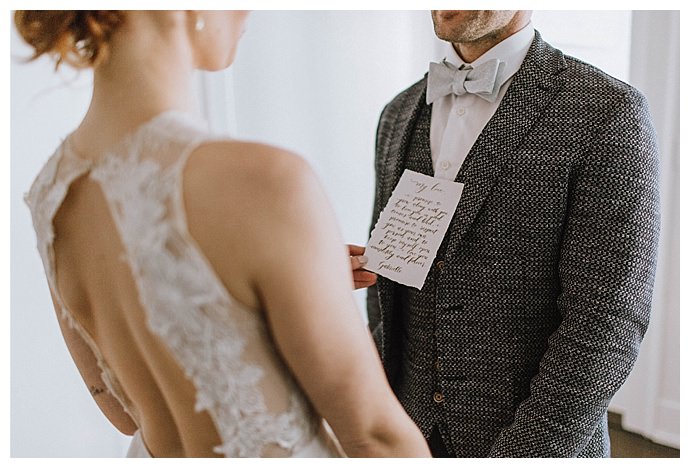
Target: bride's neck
{"type": "Point", "coordinates": [145, 74]}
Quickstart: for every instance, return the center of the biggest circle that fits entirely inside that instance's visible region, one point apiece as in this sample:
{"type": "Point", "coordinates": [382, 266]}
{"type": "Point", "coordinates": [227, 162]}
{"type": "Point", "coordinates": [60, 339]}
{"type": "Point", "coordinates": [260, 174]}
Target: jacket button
{"type": "Point", "coordinates": [438, 397]}
{"type": "Point", "coordinates": [437, 365]}
{"type": "Point", "coordinates": [440, 264]}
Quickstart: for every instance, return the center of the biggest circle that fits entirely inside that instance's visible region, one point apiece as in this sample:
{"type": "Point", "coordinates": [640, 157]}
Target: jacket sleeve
{"type": "Point", "coordinates": [606, 272]}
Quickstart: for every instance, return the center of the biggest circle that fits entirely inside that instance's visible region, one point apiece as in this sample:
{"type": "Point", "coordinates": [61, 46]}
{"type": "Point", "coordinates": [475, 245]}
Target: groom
{"type": "Point", "coordinates": [533, 313]}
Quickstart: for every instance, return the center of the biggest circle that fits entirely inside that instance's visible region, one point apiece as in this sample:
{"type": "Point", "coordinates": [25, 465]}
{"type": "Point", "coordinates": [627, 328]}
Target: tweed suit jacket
{"type": "Point", "coordinates": [546, 288]}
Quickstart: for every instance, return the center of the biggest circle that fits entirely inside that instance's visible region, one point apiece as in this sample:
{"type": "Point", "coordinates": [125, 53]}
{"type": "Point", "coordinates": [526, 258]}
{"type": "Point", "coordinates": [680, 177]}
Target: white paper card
{"type": "Point", "coordinates": [411, 227]}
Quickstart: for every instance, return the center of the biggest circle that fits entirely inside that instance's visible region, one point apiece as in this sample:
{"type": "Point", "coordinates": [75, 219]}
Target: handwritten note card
{"type": "Point", "coordinates": [411, 227]}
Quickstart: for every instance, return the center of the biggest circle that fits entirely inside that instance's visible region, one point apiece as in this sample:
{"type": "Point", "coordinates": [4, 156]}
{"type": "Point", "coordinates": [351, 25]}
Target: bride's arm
{"type": "Point", "coordinates": [293, 259]}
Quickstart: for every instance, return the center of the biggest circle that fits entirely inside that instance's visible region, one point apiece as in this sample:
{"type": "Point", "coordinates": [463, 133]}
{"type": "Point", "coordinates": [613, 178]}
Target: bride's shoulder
{"type": "Point", "coordinates": [241, 160]}
{"type": "Point", "coordinates": [243, 203]}
{"type": "Point", "coordinates": [248, 175]}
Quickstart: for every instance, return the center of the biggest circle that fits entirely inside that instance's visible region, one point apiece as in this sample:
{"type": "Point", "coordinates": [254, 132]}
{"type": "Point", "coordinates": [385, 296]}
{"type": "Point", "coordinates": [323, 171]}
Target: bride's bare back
{"type": "Point", "coordinates": [195, 368]}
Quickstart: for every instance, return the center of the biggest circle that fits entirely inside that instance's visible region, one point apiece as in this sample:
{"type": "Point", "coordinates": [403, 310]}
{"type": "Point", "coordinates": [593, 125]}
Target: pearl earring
{"type": "Point", "coordinates": [200, 23]}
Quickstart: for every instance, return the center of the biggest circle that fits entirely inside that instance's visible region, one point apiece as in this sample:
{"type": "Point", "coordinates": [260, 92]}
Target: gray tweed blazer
{"type": "Point", "coordinates": [550, 257]}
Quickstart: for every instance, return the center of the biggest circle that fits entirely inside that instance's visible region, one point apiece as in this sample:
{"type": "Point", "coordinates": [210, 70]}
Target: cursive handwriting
{"type": "Point", "coordinates": [411, 228]}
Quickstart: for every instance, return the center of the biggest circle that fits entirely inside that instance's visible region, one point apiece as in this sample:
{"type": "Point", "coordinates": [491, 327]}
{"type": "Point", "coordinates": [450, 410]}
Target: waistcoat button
{"type": "Point", "coordinates": [438, 397]}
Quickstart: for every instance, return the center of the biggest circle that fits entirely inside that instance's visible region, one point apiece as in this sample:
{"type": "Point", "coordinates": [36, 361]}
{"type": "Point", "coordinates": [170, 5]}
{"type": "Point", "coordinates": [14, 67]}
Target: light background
{"type": "Point", "coordinates": [313, 82]}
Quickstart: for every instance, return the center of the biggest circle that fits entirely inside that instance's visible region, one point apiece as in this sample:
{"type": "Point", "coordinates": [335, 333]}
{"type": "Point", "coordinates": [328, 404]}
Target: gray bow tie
{"type": "Point", "coordinates": [445, 78]}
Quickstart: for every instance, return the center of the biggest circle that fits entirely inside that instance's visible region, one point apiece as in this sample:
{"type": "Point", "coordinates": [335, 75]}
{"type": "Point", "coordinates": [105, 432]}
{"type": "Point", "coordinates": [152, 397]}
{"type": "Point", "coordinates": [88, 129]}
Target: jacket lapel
{"type": "Point", "coordinates": [533, 87]}
{"type": "Point", "coordinates": [396, 150]}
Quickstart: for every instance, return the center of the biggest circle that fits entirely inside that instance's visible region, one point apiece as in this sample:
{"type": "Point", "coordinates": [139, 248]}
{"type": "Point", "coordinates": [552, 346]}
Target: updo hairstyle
{"type": "Point", "coordinates": [77, 37]}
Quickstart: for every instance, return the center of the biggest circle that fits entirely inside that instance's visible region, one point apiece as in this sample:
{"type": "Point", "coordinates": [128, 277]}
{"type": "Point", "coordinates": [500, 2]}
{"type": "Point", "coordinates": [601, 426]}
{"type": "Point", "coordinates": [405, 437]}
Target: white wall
{"type": "Point", "coordinates": [313, 82]}
{"type": "Point", "coordinates": [601, 38]}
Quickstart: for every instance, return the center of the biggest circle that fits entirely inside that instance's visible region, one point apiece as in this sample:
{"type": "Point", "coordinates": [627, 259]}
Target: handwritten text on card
{"type": "Point", "coordinates": [411, 228]}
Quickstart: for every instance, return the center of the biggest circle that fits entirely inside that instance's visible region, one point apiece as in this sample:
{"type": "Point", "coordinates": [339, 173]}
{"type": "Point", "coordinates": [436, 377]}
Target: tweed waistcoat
{"type": "Point", "coordinates": [545, 292]}
{"type": "Point", "coordinates": [417, 387]}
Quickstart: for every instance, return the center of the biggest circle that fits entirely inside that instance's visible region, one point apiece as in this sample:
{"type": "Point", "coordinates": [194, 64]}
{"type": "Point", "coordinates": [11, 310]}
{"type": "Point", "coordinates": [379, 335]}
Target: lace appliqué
{"type": "Point", "coordinates": [186, 304]}
{"type": "Point", "coordinates": [189, 308]}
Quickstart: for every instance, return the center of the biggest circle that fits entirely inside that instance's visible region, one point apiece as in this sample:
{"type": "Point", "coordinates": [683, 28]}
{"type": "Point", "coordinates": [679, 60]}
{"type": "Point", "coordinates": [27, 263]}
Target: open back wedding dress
{"type": "Point", "coordinates": [222, 349]}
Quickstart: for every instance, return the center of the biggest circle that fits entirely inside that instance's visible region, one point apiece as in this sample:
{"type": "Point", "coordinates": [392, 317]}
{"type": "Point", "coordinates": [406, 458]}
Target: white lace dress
{"type": "Point", "coordinates": [186, 305]}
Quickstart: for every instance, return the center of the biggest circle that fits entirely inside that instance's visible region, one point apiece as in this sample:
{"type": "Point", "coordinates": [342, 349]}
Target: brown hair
{"type": "Point", "coordinates": [78, 37]}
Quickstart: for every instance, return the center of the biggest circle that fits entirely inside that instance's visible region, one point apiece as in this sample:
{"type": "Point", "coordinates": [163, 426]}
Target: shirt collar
{"type": "Point", "coordinates": [511, 50]}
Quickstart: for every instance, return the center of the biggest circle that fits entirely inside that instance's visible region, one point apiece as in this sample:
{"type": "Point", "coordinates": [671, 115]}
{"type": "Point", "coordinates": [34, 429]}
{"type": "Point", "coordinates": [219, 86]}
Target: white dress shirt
{"type": "Point", "coordinates": [457, 121]}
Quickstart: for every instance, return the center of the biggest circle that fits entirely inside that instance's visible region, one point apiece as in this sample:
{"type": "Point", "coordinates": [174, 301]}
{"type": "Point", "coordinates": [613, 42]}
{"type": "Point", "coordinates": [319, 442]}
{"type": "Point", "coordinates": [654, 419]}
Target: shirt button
{"type": "Point", "coordinates": [445, 165]}
{"type": "Point", "coordinates": [460, 111]}
{"type": "Point", "coordinates": [438, 397]}
{"type": "Point", "coordinates": [440, 264]}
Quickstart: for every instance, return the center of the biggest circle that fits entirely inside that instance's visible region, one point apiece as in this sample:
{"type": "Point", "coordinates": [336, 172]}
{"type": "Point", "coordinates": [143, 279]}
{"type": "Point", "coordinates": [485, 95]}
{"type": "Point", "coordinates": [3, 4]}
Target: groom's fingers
{"type": "Point", "coordinates": [357, 262]}
{"type": "Point", "coordinates": [363, 279]}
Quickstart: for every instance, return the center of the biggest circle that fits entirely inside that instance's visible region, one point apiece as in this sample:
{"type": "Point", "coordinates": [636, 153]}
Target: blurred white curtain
{"type": "Point", "coordinates": [315, 82]}
{"type": "Point", "coordinates": [650, 400]}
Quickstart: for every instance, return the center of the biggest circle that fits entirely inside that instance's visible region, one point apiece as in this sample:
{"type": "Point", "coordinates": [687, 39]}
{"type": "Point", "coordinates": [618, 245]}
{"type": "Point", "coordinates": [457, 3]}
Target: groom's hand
{"type": "Point", "coordinates": [362, 278]}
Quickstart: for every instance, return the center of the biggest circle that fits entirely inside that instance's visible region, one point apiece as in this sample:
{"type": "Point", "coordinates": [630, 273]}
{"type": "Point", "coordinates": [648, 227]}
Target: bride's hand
{"type": "Point", "coordinates": [361, 277]}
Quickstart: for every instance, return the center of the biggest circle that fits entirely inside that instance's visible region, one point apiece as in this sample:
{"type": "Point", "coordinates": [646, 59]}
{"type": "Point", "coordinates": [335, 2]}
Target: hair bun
{"type": "Point", "coordinates": [78, 37]}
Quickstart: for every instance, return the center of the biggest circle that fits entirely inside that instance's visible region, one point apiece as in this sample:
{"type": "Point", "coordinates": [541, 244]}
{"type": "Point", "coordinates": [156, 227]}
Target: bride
{"type": "Point", "coordinates": [200, 282]}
